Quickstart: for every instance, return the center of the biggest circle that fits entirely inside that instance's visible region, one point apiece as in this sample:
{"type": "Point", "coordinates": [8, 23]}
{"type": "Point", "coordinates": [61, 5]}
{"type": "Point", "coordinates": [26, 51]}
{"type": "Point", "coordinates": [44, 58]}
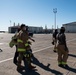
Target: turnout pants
{"type": "Point", "coordinates": [26, 55]}
{"type": "Point", "coordinates": [62, 54]}
{"type": "Point", "coordinates": [20, 57]}
{"type": "Point", "coordinates": [55, 44]}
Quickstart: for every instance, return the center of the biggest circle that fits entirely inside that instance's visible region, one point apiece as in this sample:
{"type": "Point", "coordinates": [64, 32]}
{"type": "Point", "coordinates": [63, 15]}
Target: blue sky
{"type": "Point", "coordinates": [36, 12]}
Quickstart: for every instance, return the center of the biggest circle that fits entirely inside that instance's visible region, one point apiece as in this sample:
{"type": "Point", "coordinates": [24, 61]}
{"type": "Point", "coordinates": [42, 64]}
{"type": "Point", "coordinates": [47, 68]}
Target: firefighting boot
{"type": "Point", "coordinates": [19, 66]}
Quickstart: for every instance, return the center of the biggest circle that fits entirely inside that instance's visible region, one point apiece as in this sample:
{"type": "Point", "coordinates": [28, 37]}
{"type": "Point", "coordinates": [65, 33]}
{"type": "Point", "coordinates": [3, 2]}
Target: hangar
{"type": "Point", "coordinates": [70, 27]}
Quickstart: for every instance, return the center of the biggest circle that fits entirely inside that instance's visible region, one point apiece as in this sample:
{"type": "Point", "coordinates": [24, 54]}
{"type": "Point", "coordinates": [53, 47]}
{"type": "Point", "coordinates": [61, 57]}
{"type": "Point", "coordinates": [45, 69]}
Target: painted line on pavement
{"type": "Point", "coordinates": [33, 52]}
{"type": "Point", "coordinates": [1, 43]}
{"type": "Point", "coordinates": [42, 49]}
{"type": "Point", "coordinates": [6, 60]}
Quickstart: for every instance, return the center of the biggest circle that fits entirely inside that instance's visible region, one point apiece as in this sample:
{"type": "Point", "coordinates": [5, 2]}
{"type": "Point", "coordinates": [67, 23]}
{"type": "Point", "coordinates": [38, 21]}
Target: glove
{"type": "Point", "coordinates": [66, 49]}
{"type": "Point", "coordinates": [29, 42]}
{"type": "Point", "coordinates": [53, 43]}
{"type": "Point", "coordinates": [33, 40]}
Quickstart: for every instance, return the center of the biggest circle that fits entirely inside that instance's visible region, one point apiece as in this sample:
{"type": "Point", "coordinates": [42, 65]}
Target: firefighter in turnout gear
{"type": "Point", "coordinates": [12, 43]}
{"type": "Point", "coordinates": [23, 47]}
{"type": "Point", "coordinates": [62, 49]}
{"type": "Point", "coordinates": [55, 40]}
{"type": "Point", "coordinates": [16, 53]}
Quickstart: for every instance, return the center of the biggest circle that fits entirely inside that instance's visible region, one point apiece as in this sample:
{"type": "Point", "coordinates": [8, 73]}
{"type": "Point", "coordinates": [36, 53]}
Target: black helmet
{"type": "Point", "coordinates": [56, 30]}
{"type": "Point", "coordinates": [62, 30]}
{"type": "Point", "coordinates": [22, 25]}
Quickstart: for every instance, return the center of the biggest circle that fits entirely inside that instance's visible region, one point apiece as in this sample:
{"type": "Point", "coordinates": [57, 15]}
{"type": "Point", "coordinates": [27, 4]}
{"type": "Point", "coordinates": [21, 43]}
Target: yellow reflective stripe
{"type": "Point", "coordinates": [26, 44]}
{"type": "Point", "coordinates": [22, 42]}
{"type": "Point", "coordinates": [19, 41]}
{"type": "Point", "coordinates": [21, 50]}
{"type": "Point", "coordinates": [59, 62]}
{"type": "Point", "coordinates": [26, 55]}
{"type": "Point", "coordinates": [63, 63]}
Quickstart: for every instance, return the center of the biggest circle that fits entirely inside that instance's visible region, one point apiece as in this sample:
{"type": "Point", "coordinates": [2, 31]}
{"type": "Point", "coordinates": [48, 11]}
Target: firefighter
{"type": "Point", "coordinates": [62, 48]}
{"type": "Point", "coordinates": [55, 40]}
{"type": "Point", "coordinates": [16, 53]}
{"type": "Point", "coordinates": [12, 43]}
{"type": "Point", "coordinates": [23, 47]}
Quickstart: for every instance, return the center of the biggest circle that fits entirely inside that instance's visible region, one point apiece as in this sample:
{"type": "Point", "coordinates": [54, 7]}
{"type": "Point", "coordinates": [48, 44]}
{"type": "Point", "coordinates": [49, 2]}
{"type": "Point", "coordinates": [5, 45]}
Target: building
{"type": "Point", "coordinates": [13, 29]}
{"type": "Point", "coordinates": [35, 29]}
{"type": "Point", "coordinates": [70, 27]}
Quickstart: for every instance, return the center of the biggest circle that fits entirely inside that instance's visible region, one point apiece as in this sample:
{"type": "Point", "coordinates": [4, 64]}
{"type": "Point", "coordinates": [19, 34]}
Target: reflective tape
{"type": "Point", "coordinates": [22, 42]}
{"type": "Point", "coordinates": [26, 44]}
{"type": "Point", "coordinates": [59, 62]}
{"type": "Point", "coordinates": [63, 63]}
{"type": "Point", "coordinates": [19, 41]}
{"type": "Point", "coordinates": [21, 50]}
{"type": "Point", "coordinates": [26, 55]}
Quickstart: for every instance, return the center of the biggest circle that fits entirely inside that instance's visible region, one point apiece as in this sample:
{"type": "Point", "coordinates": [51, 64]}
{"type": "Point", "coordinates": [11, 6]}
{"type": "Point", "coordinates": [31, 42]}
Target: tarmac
{"type": "Point", "coordinates": [45, 59]}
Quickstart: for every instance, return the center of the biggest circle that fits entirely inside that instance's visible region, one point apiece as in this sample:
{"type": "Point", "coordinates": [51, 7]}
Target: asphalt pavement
{"type": "Point", "coordinates": [45, 59]}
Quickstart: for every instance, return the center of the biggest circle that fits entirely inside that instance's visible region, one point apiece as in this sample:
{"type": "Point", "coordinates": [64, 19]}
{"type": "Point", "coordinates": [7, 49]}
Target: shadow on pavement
{"type": "Point", "coordinates": [71, 69]}
{"type": "Point", "coordinates": [72, 55]}
{"type": "Point", "coordinates": [36, 62]}
{"type": "Point", "coordinates": [34, 72]}
{"type": "Point", "coordinates": [28, 72]}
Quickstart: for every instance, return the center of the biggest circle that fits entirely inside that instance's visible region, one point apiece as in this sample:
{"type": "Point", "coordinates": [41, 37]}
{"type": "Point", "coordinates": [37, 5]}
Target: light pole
{"type": "Point", "coordinates": [55, 11]}
{"type": "Point", "coordinates": [52, 28]}
{"type": "Point", "coordinates": [10, 22]}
